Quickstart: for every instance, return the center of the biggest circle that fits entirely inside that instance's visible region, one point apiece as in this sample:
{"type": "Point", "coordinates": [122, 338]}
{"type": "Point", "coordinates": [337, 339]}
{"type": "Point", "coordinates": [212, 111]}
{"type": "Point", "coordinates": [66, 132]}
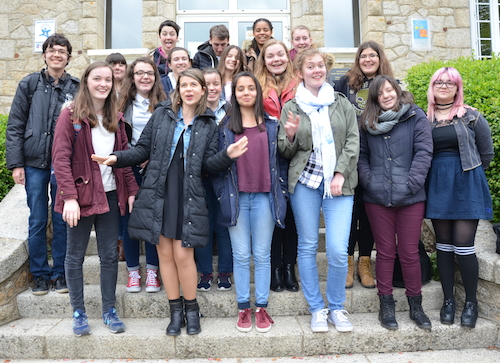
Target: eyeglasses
{"type": "Point", "coordinates": [142, 73]}
{"type": "Point", "coordinates": [371, 56]}
{"type": "Point", "coordinates": [58, 51]}
{"type": "Point", "coordinates": [440, 84]}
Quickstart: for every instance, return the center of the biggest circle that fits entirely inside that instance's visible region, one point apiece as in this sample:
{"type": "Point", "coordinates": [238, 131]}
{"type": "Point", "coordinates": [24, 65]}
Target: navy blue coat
{"type": "Point", "coordinates": [226, 183]}
{"type": "Point", "coordinates": [393, 166]}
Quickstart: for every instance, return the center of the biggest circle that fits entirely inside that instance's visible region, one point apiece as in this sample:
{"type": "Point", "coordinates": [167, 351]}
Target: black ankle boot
{"type": "Point", "coordinates": [469, 315]}
{"type": "Point", "coordinates": [192, 317]}
{"type": "Point", "coordinates": [417, 313]}
{"type": "Point", "coordinates": [176, 317]}
{"type": "Point", "coordinates": [277, 283]}
{"type": "Point", "coordinates": [290, 279]}
{"type": "Point", "coordinates": [387, 312]}
{"type": "Point", "coordinates": [447, 313]}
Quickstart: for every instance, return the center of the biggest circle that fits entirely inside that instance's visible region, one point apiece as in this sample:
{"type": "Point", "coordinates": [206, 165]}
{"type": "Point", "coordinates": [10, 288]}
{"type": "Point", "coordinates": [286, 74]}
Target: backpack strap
{"type": "Point", "coordinates": [33, 82]}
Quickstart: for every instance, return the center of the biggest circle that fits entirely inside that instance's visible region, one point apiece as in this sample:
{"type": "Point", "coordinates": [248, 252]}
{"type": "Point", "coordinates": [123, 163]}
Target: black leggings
{"type": "Point", "coordinates": [361, 232]}
{"type": "Point", "coordinates": [456, 238]}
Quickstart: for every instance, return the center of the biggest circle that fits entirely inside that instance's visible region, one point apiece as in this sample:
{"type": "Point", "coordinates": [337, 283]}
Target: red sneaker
{"type": "Point", "coordinates": [262, 320]}
{"type": "Point", "coordinates": [134, 281]}
{"type": "Point", "coordinates": [152, 282]}
{"type": "Point", "coordinates": [244, 323]}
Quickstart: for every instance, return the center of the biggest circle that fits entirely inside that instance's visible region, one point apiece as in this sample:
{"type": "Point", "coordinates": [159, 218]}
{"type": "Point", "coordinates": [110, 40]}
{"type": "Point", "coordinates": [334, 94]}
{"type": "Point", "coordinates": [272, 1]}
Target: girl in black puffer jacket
{"type": "Point", "coordinates": [396, 152]}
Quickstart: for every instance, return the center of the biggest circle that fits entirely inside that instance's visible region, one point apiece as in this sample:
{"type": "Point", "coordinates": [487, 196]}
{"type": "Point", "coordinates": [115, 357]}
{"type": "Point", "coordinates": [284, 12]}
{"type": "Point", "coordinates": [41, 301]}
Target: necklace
{"type": "Point", "coordinates": [444, 106]}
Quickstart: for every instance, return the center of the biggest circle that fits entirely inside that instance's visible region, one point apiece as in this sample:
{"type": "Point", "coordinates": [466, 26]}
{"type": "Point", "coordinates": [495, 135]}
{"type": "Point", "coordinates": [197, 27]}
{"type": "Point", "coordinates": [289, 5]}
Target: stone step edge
{"type": "Point", "coordinates": [214, 303]}
{"type": "Point", "coordinates": [289, 336]}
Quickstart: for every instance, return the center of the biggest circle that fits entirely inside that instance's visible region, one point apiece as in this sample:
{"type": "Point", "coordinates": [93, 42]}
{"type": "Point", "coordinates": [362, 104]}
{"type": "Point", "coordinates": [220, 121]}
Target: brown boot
{"type": "Point", "coordinates": [349, 281]}
{"type": "Point", "coordinates": [121, 251]}
{"type": "Point", "coordinates": [365, 272]}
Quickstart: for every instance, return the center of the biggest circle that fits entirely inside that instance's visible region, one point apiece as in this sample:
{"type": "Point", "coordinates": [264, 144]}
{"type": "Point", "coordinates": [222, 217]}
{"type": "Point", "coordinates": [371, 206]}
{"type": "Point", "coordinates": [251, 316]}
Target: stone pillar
{"type": "Point", "coordinates": [154, 12]}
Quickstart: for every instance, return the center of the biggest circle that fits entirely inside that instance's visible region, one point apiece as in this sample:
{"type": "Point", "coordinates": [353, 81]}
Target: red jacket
{"type": "Point", "coordinates": [273, 104]}
{"type": "Point", "coordinates": [78, 177]}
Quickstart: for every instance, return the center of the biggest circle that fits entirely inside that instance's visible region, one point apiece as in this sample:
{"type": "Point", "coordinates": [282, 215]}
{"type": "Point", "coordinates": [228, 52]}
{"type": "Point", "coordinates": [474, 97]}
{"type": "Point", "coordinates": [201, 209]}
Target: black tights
{"type": "Point", "coordinates": [456, 238]}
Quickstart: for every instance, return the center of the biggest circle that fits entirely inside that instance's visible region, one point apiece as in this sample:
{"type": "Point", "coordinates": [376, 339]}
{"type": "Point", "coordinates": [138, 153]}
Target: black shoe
{"type": "Point", "coordinates": [277, 283]}
{"type": "Point", "coordinates": [41, 286]}
{"type": "Point", "coordinates": [417, 313]}
{"type": "Point", "coordinates": [59, 284]}
{"type": "Point", "coordinates": [176, 317]}
{"type": "Point", "coordinates": [192, 317]}
{"type": "Point", "coordinates": [469, 315]}
{"type": "Point", "coordinates": [387, 313]}
{"type": "Point", "coordinates": [447, 313]}
{"type": "Point", "coordinates": [289, 278]}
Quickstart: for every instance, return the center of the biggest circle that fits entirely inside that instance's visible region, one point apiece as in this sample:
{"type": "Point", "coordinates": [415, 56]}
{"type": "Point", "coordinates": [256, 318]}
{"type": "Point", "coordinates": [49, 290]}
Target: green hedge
{"type": "Point", "coordinates": [6, 181]}
{"type": "Point", "coordinates": [481, 90]}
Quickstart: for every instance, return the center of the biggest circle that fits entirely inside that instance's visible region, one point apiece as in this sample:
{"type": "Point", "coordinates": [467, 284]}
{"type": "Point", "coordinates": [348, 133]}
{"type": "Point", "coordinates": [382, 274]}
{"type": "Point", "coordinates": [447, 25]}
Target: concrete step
{"type": "Point", "coordinates": [91, 269]}
{"type": "Point", "coordinates": [35, 338]}
{"type": "Point", "coordinates": [213, 303]}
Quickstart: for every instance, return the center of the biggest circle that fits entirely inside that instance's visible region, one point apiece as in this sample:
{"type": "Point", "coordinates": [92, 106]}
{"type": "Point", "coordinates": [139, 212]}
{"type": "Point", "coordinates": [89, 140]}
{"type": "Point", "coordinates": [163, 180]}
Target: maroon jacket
{"type": "Point", "coordinates": [78, 177]}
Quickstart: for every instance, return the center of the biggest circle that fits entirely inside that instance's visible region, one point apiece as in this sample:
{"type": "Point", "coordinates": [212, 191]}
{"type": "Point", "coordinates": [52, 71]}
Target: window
{"type": "Point", "coordinates": [341, 23]}
{"type": "Point", "coordinates": [196, 17]}
{"type": "Point", "coordinates": [123, 24]}
{"type": "Point", "coordinates": [485, 27]}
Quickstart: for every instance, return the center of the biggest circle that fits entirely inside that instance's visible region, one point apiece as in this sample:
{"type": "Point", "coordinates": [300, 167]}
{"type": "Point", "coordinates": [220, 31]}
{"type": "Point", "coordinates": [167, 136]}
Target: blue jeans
{"type": "Point", "coordinates": [37, 182]}
{"type": "Point", "coordinates": [252, 234]}
{"type": "Point", "coordinates": [132, 246]}
{"type": "Point", "coordinates": [224, 252]}
{"type": "Point", "coordinates": [337, 211]}
{"type": "Point", "coordinates": [106, 230]}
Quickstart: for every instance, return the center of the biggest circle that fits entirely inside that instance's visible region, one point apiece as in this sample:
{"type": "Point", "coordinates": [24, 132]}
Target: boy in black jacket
{"type": "Point", "coordinates": [30, 129]}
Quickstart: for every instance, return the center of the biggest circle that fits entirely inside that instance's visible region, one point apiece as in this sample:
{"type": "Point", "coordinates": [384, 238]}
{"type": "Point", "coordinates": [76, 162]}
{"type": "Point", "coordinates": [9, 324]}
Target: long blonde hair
{"type": "Point", "coordinates": [267, 80]}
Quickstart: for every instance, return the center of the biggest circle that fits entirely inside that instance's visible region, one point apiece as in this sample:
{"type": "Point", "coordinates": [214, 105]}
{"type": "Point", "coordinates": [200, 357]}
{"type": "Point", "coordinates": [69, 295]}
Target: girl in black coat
{"type": "Point", "coordinates": [170, 210]}
{"type": "Point", "coordinates": [396, 153]}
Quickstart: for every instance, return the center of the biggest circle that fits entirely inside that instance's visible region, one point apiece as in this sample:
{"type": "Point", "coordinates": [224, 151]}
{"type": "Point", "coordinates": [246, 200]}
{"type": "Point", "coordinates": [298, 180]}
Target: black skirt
{"type": "Point", "coordinates": [173, 211]}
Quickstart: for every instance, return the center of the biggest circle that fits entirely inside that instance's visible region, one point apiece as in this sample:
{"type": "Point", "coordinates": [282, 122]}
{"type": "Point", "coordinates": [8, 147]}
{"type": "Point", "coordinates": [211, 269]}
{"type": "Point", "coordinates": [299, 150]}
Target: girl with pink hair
{"type": "Point", "coordinates": [458, 194]}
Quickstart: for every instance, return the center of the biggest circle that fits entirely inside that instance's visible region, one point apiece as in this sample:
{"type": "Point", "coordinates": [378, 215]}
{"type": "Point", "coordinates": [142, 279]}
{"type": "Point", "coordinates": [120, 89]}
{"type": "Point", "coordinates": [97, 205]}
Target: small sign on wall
{"type": "Point", "coordinates": [420, 34]}
{"type": "Point", "coordinates": [43, 30]}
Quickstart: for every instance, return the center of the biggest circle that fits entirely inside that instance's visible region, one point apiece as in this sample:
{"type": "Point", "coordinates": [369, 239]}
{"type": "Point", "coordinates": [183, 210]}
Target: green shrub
{"type": "Point", "coordinates": [481, 90]}
{"type": "Point", "coordinates": [6, 182]}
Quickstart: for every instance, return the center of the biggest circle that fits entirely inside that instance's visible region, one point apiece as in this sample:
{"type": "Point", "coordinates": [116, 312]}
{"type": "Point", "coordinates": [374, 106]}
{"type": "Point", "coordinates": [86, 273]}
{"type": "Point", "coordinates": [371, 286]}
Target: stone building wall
{"type": "Point", "coordinates": [385, 21]}
{"type": "Point", "coordinates": [388, 23]}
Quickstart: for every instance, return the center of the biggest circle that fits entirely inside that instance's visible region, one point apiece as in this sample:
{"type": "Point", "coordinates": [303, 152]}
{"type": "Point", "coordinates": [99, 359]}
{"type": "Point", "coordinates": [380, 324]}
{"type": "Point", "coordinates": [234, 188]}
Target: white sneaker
{"type": "Point", "coordinates": [318, 321]}
{"type": "Point", "coordinates": [339, 319]}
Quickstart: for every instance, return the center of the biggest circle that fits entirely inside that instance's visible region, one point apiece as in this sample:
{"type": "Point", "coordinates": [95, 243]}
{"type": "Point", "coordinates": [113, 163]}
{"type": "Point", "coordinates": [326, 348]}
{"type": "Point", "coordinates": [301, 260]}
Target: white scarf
{"type": "Point", "coordinates": [323, 144]}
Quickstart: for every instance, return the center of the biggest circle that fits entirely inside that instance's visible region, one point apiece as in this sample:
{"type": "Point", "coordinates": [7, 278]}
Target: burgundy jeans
{"type": "Point", "coordinates": [401, 224]}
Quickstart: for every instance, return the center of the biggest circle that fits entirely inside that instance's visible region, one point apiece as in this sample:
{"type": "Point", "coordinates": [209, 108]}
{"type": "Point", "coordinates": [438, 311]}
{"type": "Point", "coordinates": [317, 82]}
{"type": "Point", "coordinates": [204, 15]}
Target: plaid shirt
{"type": "Point", "coordinates": [312, 176]}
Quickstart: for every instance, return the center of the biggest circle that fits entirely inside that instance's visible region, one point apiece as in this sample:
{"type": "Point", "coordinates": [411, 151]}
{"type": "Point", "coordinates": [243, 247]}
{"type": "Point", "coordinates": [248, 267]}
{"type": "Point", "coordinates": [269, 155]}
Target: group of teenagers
{"type": "Point", "coordinates": [247, 153]}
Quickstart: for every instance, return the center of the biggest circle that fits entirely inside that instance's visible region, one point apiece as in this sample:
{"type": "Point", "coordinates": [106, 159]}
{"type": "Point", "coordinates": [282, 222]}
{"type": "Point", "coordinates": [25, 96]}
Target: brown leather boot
{"type": "Point", "coordinates": [349, 281]}
{"type": "Point", "coordinates": [365, 272]}
{"type": "Point", "coordinates": [121, 251]}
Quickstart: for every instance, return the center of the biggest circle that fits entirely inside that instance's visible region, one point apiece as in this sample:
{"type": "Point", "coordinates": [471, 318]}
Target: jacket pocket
{"type": "Point", "coordinates": [84, 191]}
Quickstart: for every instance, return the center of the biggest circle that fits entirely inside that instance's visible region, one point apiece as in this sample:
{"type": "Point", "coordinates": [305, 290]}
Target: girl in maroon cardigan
{"type": "Point", "coordinates": [92, 195]}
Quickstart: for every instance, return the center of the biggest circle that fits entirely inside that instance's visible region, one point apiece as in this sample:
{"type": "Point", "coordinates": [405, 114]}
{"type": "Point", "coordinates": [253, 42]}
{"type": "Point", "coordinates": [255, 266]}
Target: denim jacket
{"type": "Point", "coordinates": [474, 140]}
{"type": "Point", "coordinates": [226, 183]}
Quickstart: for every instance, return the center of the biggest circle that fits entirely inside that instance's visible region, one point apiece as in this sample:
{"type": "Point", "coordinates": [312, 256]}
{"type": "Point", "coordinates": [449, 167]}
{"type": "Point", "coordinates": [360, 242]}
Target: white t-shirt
{"type": "Point", "coordinates": [103, 143]}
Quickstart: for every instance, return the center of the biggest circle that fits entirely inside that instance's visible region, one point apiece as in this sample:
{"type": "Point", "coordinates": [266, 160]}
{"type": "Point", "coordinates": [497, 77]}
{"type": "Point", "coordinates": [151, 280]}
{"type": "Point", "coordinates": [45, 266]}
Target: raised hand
{"type": "Point", "coordinates": [292, 125]}
{"type": "Point", "coordinates": [104, 160]}
{"type": "Point", "coordinates": [235, 150]}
